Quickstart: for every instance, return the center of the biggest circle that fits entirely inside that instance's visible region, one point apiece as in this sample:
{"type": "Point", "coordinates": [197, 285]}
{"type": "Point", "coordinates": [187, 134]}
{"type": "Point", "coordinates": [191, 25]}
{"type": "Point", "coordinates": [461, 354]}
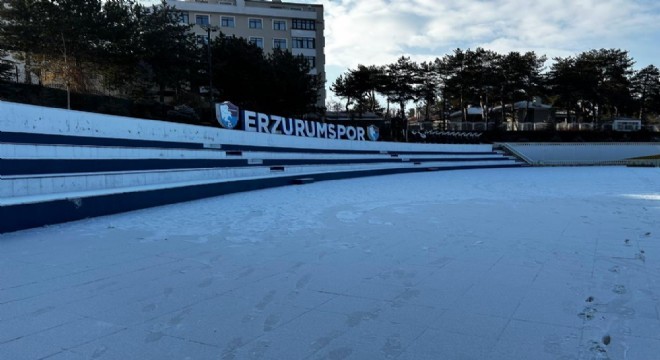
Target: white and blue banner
{"type": "Point", "coordinates": [227, 115]}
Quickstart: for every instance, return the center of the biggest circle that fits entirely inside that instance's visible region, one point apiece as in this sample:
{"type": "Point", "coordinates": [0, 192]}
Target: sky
{"type": "Point", "coordinates": [377, 32]}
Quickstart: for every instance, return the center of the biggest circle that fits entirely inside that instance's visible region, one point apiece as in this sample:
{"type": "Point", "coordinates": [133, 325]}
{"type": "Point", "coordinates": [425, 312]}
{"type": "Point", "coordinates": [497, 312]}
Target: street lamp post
{"type": "Point", "coordinates": [210, 29]}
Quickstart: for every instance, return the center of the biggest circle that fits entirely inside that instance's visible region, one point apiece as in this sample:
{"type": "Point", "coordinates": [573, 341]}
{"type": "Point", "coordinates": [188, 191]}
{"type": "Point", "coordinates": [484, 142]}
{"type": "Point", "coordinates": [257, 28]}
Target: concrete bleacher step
{"type": "Point", "coordinates": [22, 159]}
{"type": "Point", "coordinates": [31, 185]}
{"type": "Point", "coordinates": [302, 181]}
{"type": "Point", "coordinates": [214, 161]}
{"type": "Point", "coordinates": [40, 151]}
{"type": "Point", "coordinates": [49, 208]}
{"type": "Point", "coordinates": [58, 165]}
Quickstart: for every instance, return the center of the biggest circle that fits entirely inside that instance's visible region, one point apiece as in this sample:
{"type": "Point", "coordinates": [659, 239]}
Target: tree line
{"type": "Point", "coordinates": [591, 86]}
{"type": "Point", "coordinates": [145, 53]}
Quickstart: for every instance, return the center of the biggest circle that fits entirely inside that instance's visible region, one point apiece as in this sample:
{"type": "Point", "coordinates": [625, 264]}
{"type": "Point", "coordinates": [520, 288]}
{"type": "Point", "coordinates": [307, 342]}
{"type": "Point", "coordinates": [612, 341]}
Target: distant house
{"type": "Point", "coordinates": [352, 118]}
{"type": "Point", "coordinates": [563, 116]}
{"type": "Point", "coordinates": [533, 111]}
{"type": "Point", "coordinates": [474, 114]}
{"type": "Point", "coordinates": [348, 115]}
{"type": "Point", "coordinates": [626, 124]}
{"type": "Point", "coordinates": [533, 114]}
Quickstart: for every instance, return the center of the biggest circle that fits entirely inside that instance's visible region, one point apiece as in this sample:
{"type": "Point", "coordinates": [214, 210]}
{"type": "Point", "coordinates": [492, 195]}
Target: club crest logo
{"type": "Point", "coordinates": [227, 114]}
{"type": "Point", "coordinates": [373, 132]}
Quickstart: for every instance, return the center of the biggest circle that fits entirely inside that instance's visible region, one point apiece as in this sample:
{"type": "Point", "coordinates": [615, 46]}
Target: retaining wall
{"type": "Point", "coordinates": [58, 165]}
{"type": "Point", "coordinates": [583, 153]}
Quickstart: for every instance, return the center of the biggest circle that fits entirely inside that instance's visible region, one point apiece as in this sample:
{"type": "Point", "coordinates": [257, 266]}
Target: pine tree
{"type": "Point", "coordinates": [646, 90]}
{"type": "Point", "coordinates": [5, 66]}
{"type": "Point", "coordinates": [292, 90]}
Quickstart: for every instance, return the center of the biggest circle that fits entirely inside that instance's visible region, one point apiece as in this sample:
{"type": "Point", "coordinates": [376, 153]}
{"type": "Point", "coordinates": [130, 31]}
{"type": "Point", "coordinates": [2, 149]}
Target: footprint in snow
{"type": "Point", "coordinates": [607, 339]}
{"type": "Point", "coordinates": [599, 349]}
{"type": "Point", "coordinates": [619, 289]}
{"type": "Point", "coordinates": [588, 313]}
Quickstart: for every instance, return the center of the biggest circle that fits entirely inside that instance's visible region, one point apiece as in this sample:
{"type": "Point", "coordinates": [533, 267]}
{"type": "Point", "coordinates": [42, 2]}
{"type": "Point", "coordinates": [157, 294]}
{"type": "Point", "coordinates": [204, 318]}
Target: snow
{"type": "Point", "coordinates": [525, 263]}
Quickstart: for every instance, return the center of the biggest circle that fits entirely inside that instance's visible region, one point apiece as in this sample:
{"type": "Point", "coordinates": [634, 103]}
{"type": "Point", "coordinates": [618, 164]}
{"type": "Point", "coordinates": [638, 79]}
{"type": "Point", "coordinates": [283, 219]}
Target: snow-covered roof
{"type": "Point", "coordinates": [531, 105]}
{"type": "Point", "coordinates": [470, 111]}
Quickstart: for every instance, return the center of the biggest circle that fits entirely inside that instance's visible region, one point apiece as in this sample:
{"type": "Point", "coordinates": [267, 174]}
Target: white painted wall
{"type": "Point", "coordinates": [40, 120]}
{"type": "Point", "coordinates": [35, 119]}
{"type": "Point", "coordinates": [588, 153]}
{"type": "Point", "coordinates": [18, 189]}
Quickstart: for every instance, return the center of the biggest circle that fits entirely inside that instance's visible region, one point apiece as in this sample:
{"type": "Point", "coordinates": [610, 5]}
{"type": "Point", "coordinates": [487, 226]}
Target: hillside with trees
{"type": "Point", "coordinates": [592, 86]}
{"type": "Point", "coordinates": [125, 58]}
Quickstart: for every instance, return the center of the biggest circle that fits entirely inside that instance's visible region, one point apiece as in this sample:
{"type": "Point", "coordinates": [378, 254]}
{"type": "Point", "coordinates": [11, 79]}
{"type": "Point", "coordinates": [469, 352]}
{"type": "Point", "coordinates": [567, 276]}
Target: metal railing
{"type": "Point", "coordinates": [536, 126]}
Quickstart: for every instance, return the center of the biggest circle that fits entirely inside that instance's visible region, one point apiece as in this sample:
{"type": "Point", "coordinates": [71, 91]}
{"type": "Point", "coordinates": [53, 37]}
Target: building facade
{"type": "Point", "coordinates": [268, 24]}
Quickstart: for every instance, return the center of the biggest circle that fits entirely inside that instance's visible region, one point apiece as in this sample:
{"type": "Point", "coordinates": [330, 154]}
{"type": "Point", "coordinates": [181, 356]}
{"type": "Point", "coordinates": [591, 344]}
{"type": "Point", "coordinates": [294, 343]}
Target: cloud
{"type": "Point", "coordinates": [379, 31]}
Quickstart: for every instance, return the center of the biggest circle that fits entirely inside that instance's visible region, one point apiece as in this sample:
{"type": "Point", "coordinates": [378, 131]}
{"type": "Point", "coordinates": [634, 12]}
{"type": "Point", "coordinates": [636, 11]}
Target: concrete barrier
{"type": "Point", "coordinates": [571, 154]}
{"type": "Point", "coordinates": [59, 165]}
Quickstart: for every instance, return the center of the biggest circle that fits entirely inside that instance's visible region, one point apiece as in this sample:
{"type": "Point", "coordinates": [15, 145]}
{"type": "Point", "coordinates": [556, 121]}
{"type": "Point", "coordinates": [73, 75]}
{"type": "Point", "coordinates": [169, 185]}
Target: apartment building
{"type": "Point", "coordinates": [268, 24]}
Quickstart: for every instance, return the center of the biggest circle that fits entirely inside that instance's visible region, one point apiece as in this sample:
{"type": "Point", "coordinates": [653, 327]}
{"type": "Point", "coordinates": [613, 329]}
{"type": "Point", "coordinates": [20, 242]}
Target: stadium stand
{"type": "Point", "coordinates": [58, 165]}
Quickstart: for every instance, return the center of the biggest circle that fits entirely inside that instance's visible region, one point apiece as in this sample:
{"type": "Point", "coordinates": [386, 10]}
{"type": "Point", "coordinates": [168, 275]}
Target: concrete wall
{"type": "Point", "coordinates": [58, 165]}
{"type": "Point", "coordinates": [35, 119]}
{"type": "Point", "coordinates": [582, 154]}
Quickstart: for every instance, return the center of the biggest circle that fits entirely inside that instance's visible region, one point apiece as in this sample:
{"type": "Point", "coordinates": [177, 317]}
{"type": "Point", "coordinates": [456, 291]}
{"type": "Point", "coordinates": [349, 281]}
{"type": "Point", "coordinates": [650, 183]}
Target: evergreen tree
{"type": "Point", "coordinates": [21, 32]}
{"type": "Point", "coordinates": [445, 73]}
{"type": "Point", "coordinates": [402, 78]}
{"type": "Point", "coordinates": [564, 83]}
{"type": "Point", "coordinates": [345, 87]}
{"type": "Point", "coordinates": [120, 52]}
{"type": "Point", "coordinates": [359, 87]}
{"type": "Point", "coordinates": [614, 70]}
{"type": "Point", "coordinates": [520, 77]}
{"type": "Point", "coordinates": [291, 89]}
{"type": "Point", "coordinates": [454, 69]}
{"type": "Point", "coordinates": [646, 90]}
{"type": "Point", "coordinates": [429, 86]}
{"type": "Point", "coordinates": [5, 66]}
{"type": "Point", "coordinates": [598, 81]}
{"type": "Point", "coordinates": [480, 78]}
{"type": "Point", "coordinates": [165, 45]}
{"type": "Point", "coordinates": [71, 40]}
{"type": "Point", "coordinates": [239, 68]}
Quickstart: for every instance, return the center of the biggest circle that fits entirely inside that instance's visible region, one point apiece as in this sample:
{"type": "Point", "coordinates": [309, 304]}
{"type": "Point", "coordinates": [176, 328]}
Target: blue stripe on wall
{"type": "Point", "coordinates": [13, 167]}
{"type": "Point", "coordinates": [49, 139]}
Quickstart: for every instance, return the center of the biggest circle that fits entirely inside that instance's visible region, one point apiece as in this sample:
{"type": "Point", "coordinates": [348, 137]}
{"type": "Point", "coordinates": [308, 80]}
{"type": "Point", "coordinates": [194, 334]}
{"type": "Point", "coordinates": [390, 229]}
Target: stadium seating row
{"type": "Point", "coordinates": [58, 165]}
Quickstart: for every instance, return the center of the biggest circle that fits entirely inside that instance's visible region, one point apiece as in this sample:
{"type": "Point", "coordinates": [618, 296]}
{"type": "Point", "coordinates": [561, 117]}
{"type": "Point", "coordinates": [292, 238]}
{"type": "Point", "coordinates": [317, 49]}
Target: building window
{"type": "Point", "coordinates": [311, 60]}
{"type": "Point", "coordinates": [255, 23]}
{"type": "Point", "coordinates": [184, 18]}
{"type": "Point", "coordinates": [303, 43]}
{"type": "Point", "coordinates": [227, 21]}
{"type": "Point", "coordinates": [257, 41]}
{"type": "Point", "coordinates": [202, 20]}
{"type": "Point", "coordinates": [303, 24]}
{"type": "Point", "coordinates": [279, 43]}
{"type": "Point", "coordinates": [279, 24]}
{"type": "Point", "coordinates": [202, 39]}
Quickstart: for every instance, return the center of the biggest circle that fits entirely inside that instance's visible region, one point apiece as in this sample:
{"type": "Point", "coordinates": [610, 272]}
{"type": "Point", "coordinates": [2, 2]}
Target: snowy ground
{"type": "Point", "coordinates": [530, 263]}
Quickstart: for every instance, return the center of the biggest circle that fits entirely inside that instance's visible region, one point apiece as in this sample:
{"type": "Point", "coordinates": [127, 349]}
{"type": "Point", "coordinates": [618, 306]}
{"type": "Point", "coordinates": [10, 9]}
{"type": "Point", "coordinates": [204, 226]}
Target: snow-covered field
{"type": "Point", "coordinates": [529, 263]}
